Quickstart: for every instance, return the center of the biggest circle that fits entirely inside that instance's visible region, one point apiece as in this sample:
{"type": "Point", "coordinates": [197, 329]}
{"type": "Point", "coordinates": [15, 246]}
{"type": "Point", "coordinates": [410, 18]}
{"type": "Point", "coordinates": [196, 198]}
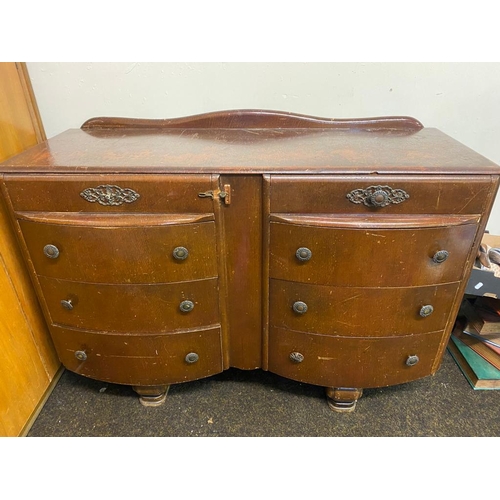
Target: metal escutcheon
{"type": "Point", "coordinates": [440, 256]}
{"type": "Point", "coordinates": [426, 311]}
{"type": "Point", "coordinates": [51, 251]}
{"type": "Point", "coordinates": [192, 357]}
{"type": "Point", "coordinates": [412, 360]}
{"type": "Point", "coordinates": [296, 357]}
{"type": "Point", "coordinates": [186, 306]}
{"type": "Point", "coordinates": [81, 355]}
{"type": "Point", "coordinates": [180, 253]}
{"type": "Point", "coordinates": [303, 254]}
{"type": "Point", "coordinates": [300, 307]}
{"type": "Point", "coordinates": [67, 304]}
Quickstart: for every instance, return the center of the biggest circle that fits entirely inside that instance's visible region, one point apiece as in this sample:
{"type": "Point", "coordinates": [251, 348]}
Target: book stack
{"type": "Point", "coordinates": [475, 342]}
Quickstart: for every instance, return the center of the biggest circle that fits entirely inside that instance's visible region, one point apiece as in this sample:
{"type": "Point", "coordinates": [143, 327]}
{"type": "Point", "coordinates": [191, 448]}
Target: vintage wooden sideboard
{"type": "Point", "coordinates": [331, 252]}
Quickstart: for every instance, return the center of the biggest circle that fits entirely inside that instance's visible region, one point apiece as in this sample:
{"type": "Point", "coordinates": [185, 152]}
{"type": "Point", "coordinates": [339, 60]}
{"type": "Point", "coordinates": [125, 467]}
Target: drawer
{"type": "Point", "coordinates": [122, 254]}
{"type": "Point", "coordinates": [360, 312]}
{"type": "Point", "coordinates": [132, 308]}
{"type": "Point", "coordinates": [370, 257]}
{"type": "Point", "coordinates": [426, 194]}
{"type": "Point", "coordinates": [109, 193]}
{"type": "Point", "coordinates": [351, 362]}
{"type": "Point", "coordinates": [140, 359]}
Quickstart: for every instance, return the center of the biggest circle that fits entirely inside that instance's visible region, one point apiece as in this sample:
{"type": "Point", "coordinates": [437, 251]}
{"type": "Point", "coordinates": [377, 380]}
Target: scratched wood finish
{"type": "Point", "coordinates": [360, 312]}
{"type": "Point", "coordinates": [351, 362]}
{"type": "Point", "coordinates": [372, 257]}
{"type": "Point", "coordinates": [427, 194]}
{"type": "Point", "coordinates": [288, 177]}
{"type": "Point", "coordinates": [141, 359]}
{"type": "Point", "coordinates": [28, 360]}
{"type": "Point", "coordinates": [135, 254]}
{"type": "Point", "coordinates": [132, 308]}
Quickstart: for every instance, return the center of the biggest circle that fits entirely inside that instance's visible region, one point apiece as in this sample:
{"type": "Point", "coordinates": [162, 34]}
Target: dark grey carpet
{"type": "Point", "coordinates": [258, 403]}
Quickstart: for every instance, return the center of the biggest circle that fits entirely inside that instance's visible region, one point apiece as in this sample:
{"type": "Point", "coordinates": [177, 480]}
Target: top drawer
{"type": "Point", "coordinates": [109, 193]}
{"type": "Point", "coordinates": [379, 194]}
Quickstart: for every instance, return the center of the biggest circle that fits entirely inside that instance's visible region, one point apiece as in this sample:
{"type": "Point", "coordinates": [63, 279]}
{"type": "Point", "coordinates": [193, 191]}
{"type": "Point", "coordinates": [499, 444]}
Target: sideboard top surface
{"type": "Point", "coordinates": [250, 151]}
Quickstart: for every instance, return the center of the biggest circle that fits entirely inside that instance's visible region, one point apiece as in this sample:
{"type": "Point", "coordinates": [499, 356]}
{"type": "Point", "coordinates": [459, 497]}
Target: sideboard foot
{"type": "Point", "coordinates": [343, 399]}
{"type": "Point", "coordinates": [152, 395]}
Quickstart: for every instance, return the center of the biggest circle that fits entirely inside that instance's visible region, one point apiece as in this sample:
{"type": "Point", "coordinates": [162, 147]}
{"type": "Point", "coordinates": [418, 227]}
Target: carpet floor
{"type": "Point", "coordinates": [257, 403]}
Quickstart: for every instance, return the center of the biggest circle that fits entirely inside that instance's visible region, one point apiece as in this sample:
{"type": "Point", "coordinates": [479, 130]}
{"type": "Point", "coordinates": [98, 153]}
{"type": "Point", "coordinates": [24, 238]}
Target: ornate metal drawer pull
{"type": "Point", "coordinates": [51, 251]}
{"type": "Point", "coordinates": [81, 355]}
{"type": "Point", "coordinates": [186, 306]}
{"type": "Point", "coordinates": [303, 254]}
{"type": "Point", "coordinates": [300, 307]}
{"type": "Point", "coordinates": [296, 357]}
{"type": "Point", "coordinates": [109, 195]}
{"type": "Point", "coordinates": [440, 256]}
{"type": "Point", "coordinates": [67, 304]}
{"type": "Point", "coordinates": [191, 358]}
{"type": "Point", "coordinates": [378, 196]}
{"type": "Point", "coordinates": [180, 253]}
{"type": "Point", "coordinates": [412, 360]}
{"type": "Point", "coordinates": [426, 311]}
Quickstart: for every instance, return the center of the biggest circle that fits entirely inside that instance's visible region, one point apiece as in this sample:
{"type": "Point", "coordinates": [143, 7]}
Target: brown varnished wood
{"type": "Point", "coordinates": [351, 362]}
{"type": "Point", "coordinates": [158, 194]}
{"type": "Point", "coordinates": [122, 254]}
{"type": "Point", "coordinates": [427, 194]}
{"type": "Point", "coordinates": [140, 360]}
{"type": "Point", "coordinates": [360, 312]}
{"type": "Point", "coordinates": [287, 178]}
{"type": "Point", "coordinates": [372, 257]}
{"type": "Point", "coordinates": [256, 118]}
{"type": "Point", "coordinates": [243, 247]}
{"type": "Point", "coordinates": [132, 308]}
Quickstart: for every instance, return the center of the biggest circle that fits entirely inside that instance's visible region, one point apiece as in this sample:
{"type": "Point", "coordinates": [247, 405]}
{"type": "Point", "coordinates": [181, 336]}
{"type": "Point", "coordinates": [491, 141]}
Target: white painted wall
{"type": "Point", "coordinates": [461, 99]}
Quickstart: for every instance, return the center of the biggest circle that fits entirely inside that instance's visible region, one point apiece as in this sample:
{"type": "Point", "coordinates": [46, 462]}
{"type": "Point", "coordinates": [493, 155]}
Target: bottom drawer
{"type": "Point", "coordinates": [140, 359]}
{"type": "Point", "coordinates": [351, 362]}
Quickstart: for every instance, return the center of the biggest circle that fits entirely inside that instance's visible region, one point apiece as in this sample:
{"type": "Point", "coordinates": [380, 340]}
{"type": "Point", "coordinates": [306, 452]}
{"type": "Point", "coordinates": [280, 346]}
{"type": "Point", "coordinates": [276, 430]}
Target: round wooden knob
{"type": "Point", "coordinates": [303, 254]}
{"type": "Point", "coordinates": [186, 306]}
{"type": "Point", "coordinates": [440, 256]}
{"type": "Point", "coordinates": [180, 253]}
{"type": "Point", "coordinates": [296, 357]}
{"type": "Point", "coordinates": [300, 307]}
{"type": "Point", "coordinates": [67, 304]}
{"type": "Point", "coordinates": [51, 251]}
{"type": "Point", "coordinates": [81, 355]}
{"type": "Point", "coordinates": [426, 311]}
{"type": "Point", "coordinates": [191, 358]}
{"type": "Point", "coordinates": [412, 360]}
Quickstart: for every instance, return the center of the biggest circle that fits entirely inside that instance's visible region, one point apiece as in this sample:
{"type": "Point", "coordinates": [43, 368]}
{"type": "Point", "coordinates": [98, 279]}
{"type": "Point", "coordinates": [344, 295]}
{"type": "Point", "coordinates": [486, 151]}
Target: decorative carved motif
{"type": "Point", "coordinates": [109, 195]}
{"type": "Point", "coordinates": [378, 196]}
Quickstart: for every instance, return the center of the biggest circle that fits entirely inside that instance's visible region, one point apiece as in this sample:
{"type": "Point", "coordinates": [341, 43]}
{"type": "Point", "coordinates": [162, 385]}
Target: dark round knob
{"type": "Point", "coordinates": [426, 311]}
{"type": "Point", "coordinates": [300, 307]}
{"type": "Point", "coordinates": [81, 355]}
{"type": "Point", "coordinates": [186, 306]}
{"type": "Point", "coordinates": [412, 360]}
{"type": "Point", "coordinates": [379, 198]}
{"type": "Point", "coordinates": [303, 254]}
{"type": "Point", "coordinates": [192, 357]}
{"type": "Point", "coordinates": [296, 357]}
{"type": "Point", "coordinates": [51, 251]}
{"type": "Point", "coordinates": [180, 253]}
{"type": "Point", "coordinates": [440, 256]}
{"type": "Point", "coordinates": [67, 304]}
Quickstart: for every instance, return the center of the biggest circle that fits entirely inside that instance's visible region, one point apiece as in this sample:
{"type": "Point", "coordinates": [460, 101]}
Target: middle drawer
{"type": "Point", "coordinates": [360, 312]}
{"type": "Point", "coordinates": [132, 308]}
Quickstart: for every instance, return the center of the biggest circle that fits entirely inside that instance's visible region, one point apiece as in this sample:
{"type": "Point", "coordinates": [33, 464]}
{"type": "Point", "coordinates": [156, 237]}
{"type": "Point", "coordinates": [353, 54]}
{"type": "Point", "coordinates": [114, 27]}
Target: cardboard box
{"type": "Point", "coordinates": [483, 282]}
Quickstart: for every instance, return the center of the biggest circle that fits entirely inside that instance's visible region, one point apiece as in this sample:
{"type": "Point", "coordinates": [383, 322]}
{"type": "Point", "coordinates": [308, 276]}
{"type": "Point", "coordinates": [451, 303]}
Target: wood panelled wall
{"type": "Point", "coordinates": [28, 363]}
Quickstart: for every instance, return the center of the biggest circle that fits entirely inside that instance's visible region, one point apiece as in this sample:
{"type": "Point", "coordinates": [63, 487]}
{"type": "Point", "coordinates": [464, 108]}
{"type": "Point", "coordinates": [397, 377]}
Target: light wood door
{"type": "Point", "coordinates": [28, 363]}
